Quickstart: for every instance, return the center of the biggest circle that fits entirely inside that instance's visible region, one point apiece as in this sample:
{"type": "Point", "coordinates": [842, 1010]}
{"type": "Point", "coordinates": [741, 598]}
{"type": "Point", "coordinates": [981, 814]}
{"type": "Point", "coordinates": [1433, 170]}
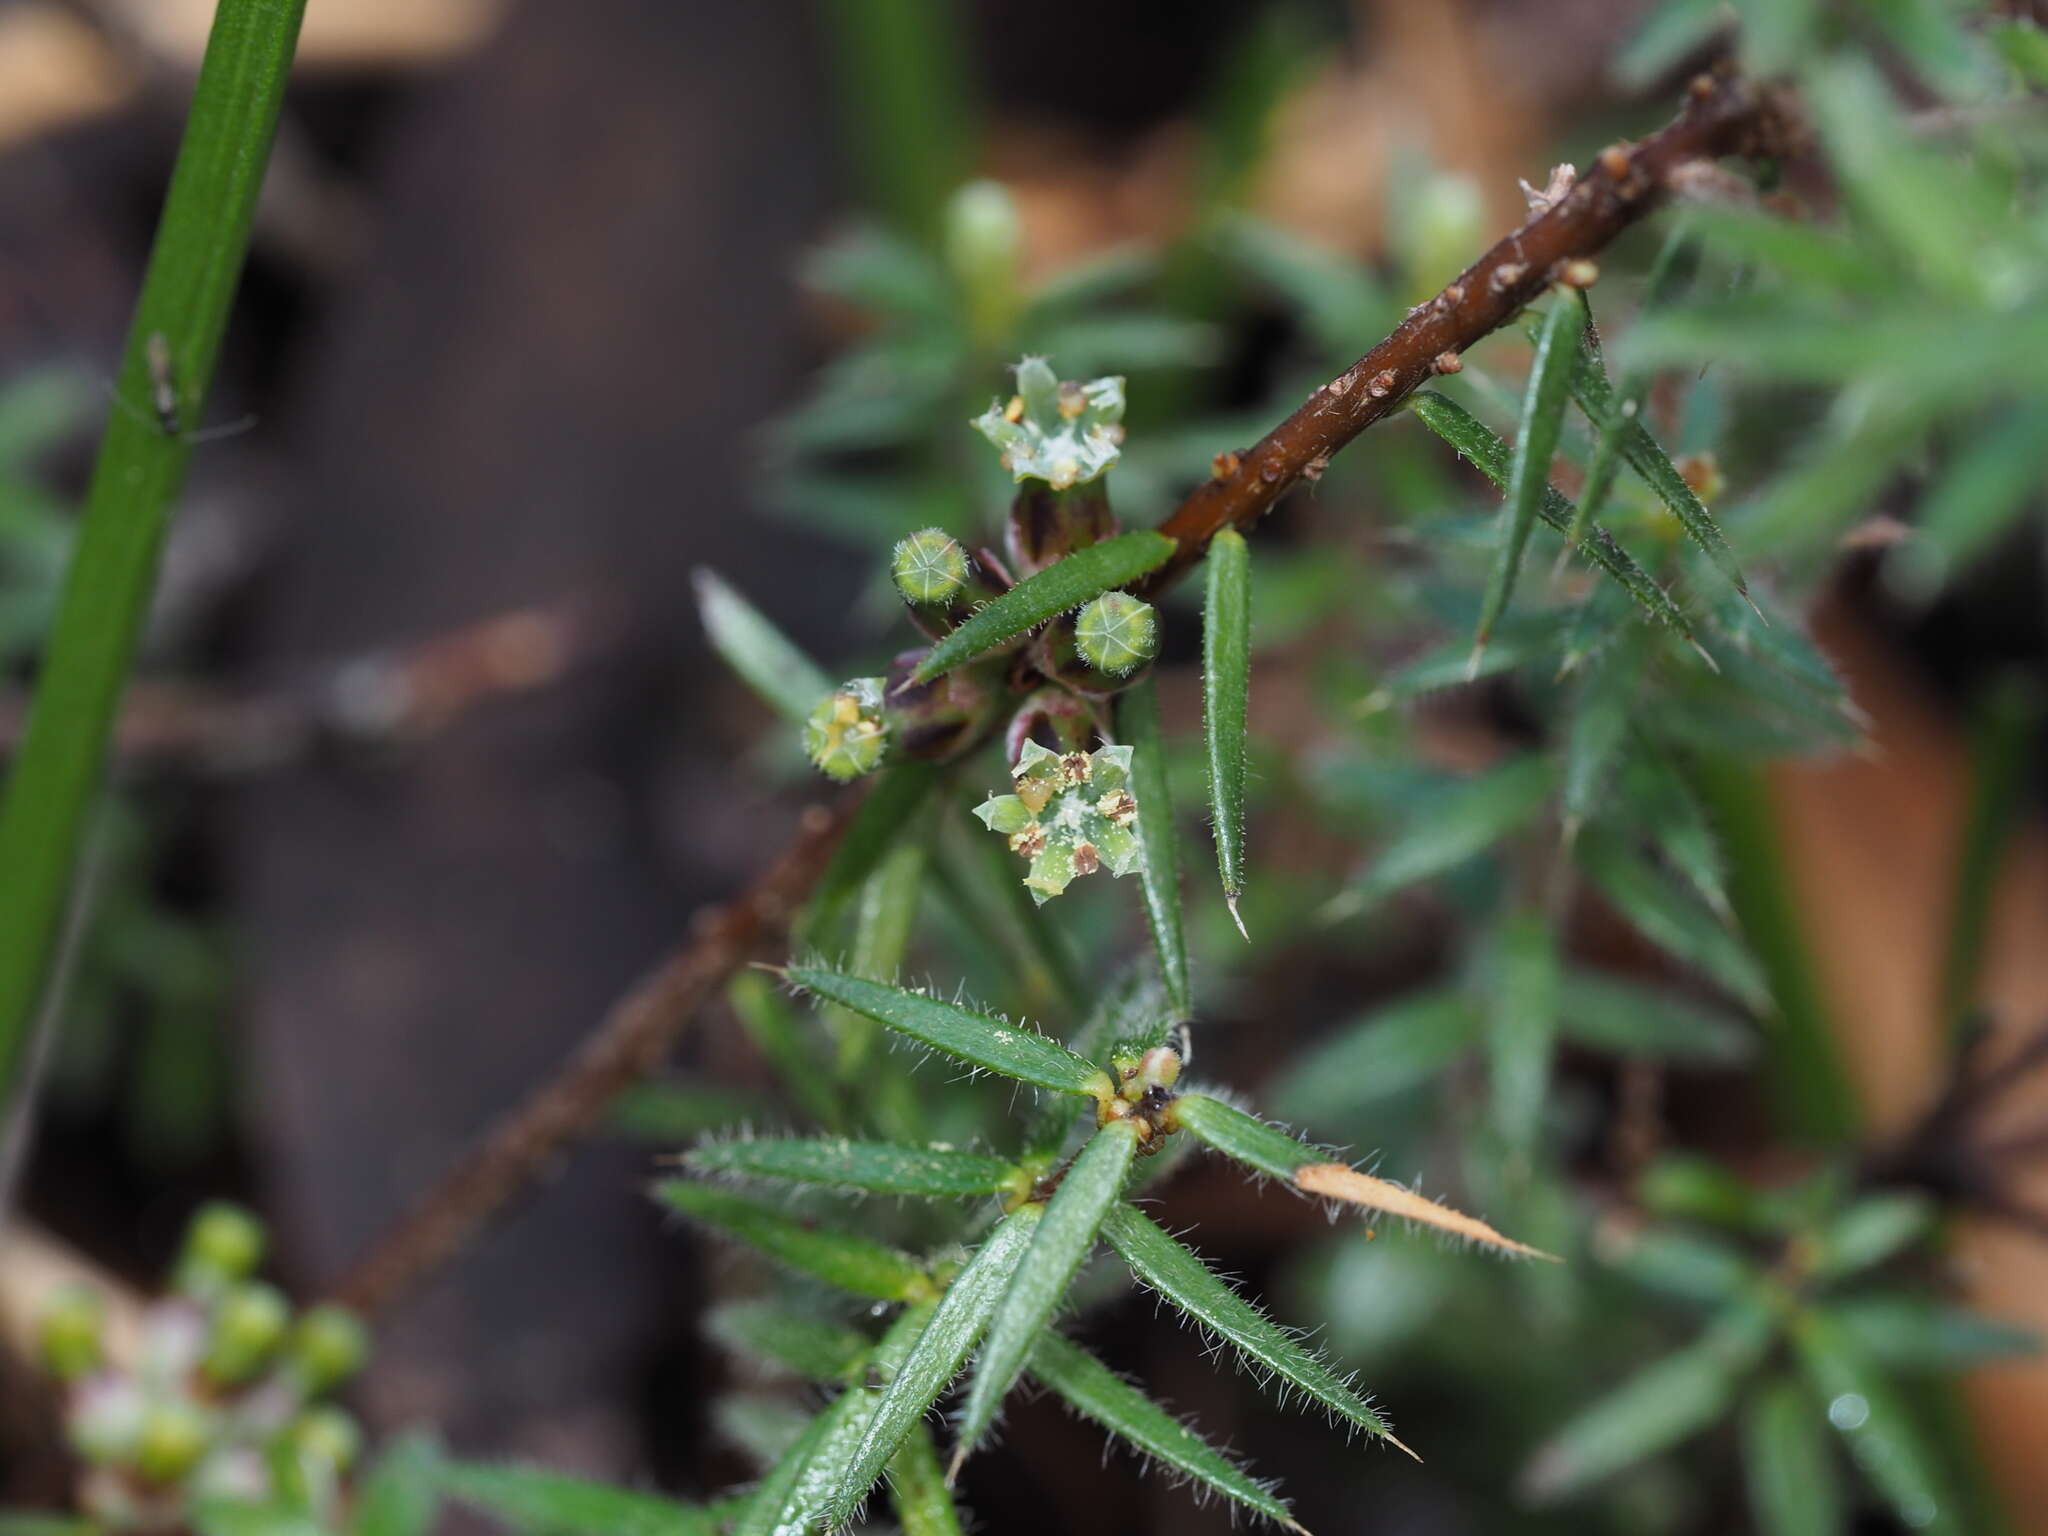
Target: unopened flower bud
{"type": "Point", "coordinates": [929, 567]}
{"type": "Point", "coordinates": [72, 1332]}
{"type": "Point", "coordinates": [248, 1325]}
{"type": "Point", "coordinates": [1117, 633]}
{"type": "Point", "coordinates": [224, 1244]}
{"type": "Point", "coordinates": [846, 735]}
{"type": "Point", "coordinates": [329, 1346]}
{"type": "Point", "coordinates": [175, 1435]}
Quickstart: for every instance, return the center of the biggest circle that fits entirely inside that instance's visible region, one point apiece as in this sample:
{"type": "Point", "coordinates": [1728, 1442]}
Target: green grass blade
{"type": "Point", "coordinates": [917, 1488]}
{"type": "Point", "coordinates": [537, 1502]}
{"type": "Point", "coordinates": [194, 265]}
{"type": "Point", "coordinates": [1138, 722]}
{"type": "Point", "coordinates": [800, 1343]}
{"type": "Point", "coordinates": [1064, 1238]}
{"type": "Point", "coordinates": [1226, 692]}
{"type": "Point", "coordinates": [1482, 448]}
{"type": "Point", "coordinates": [991, 1044]}
{"type": "Point", "coordinates": [1085, 574]}
{"type": "Point", "coordinates": [401, 1493]}
{"type": "Point", "coordinates": [879, 1167]}
{"type": "Point", "coordinates": [1179, 1275]}
{"type": "Point", "coordinates": [1666, 1403]}
{"type": "Point", "coordinates": [2001, 746]}
{"type": "Point", "coordinates": [766, 660]}
{"type": "Point", "coordinates": [1877, 1422]}
{"type": "Point", "coordinates": [899, 794]}
{"type": "Point", "coordinates": [957, 1323]}
{"type": "Point", "coordinates": [1522, 1031]}
{"type": "Point", "coordinates": [1646, 456]}
{"type": "Point", "coordinates": [1788, 1465]}
{"type": "Point", "coordinates": [838, 1258]}
{"type": "Point", "coordinates": [1543, 406]}
{"type": "Point", "coordinates": [1096, 1392]}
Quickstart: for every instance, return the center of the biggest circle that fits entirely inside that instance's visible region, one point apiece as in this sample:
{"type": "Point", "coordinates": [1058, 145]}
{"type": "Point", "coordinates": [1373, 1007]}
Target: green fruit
{"type": "Point", "coordinates": [1117, 633]}
{"type": "Point", "coordinates": [929, 567]}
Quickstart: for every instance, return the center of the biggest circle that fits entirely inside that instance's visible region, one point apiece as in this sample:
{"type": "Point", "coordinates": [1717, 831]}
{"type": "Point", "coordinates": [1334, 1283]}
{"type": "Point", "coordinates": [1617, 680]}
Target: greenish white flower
{"type": "Point", "coordinates": [1072, 814]}
{"type": "Point", "coordinates": [1061, 432]}
{"type": "Point", "coordinates": [846, 735]}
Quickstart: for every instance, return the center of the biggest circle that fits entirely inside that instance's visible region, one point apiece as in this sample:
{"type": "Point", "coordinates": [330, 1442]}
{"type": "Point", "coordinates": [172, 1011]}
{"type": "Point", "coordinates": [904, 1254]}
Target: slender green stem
{"type": "Point", "coordinates": [173, 343]}
{"type": "Point", "coordinates": [2001, 745]}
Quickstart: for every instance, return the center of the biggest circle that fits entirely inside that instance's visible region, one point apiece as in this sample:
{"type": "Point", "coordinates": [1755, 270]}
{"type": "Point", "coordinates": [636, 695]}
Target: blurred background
{"type": "Point", "coordinates": [550, 305]}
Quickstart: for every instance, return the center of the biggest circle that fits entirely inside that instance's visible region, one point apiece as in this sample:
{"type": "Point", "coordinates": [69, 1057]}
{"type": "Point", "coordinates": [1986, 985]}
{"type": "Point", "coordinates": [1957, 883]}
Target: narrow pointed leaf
{"type": "Point", "coordinates": [1599, 724]}
{"type": "Point", "coordinates": [838, 1258]}
{"type": "Point", "coordinates": [1870, 1231]}
{"type": "Point", "coordinates": [1226, 690]}
{"type": "Point", "coordinates": [1662, 1405]}
{"type": "Point", "coordinates": [1877, 1422]}
{"type": "Point", "coordinates": [1657, 797]}
{"type": "Point", "coordinates": [401, 1493]}
{"type": "Point", "coordinates": [1245, 1138]}
{"type": "Point", "coordinates": [881, 939]}
{"type": "Point", "coordinates": [975, 1038]}
{"type": "Point", "coordinates": [1788, 1464]}
{"type": "Point", "coordinates": [805, 1345]}
{"type": "Point", "coordinates": [780, 1036]}
{"type": "Point", "coordinates": [1670, 918]}
{"type": "Point", "coordinates": [801, 1491]}
{"type": "Point", "coordinates": [899, 794]}
{"type": "Point", "coordinates": [1179, 1275]}
{"type": "Point", "coordinates": [1341, 1182]}
{"type": "Point", "coordinates": [1603, 407]}
{"type": "Point", "coordinates": [1085, 574]}
{"type": "Point", "coordinates": [1138, 721]}
{"type": "Point", "coordinates": [917, 1488]}
{"type": "Point", "coordinates": [537, 1502]}
{"type": "Point", "coordinates": [1096, 1392]}
{"type": "Point", "coordinates": [767, 661]}
{"type": "Point", "coordinates": [1543, 407]}
{"type": "Point", "coordinates": [1459, 824]}
{"type": "Point", "coordinates": [1629, 1019]}
{"type": "Point", "coordinates": [1384, 1055]}
{"type": "Point", "coordinates": [1485, 451]}
{"type": "Point", "coordinates": [1522, 1030]}
{"type": "Point", "coordinates": [957, 1322]}
{"type": "Point", "coordinates": [1907, 1333]}
{"type": "Point", "coordinates": [1064, 1238]}
{"type": "Point", "coordinates": [880, 1167]}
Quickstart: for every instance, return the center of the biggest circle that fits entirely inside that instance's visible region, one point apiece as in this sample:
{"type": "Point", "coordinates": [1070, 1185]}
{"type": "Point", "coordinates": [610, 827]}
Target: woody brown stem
{"type": "Point", "coordinates": [1723, 116]}
{"type": "Point", "coordinates": [628, 1044]}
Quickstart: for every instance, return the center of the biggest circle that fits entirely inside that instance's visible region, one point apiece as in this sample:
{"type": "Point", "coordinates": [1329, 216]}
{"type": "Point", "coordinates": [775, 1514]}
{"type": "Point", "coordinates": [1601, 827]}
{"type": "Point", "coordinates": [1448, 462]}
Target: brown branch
{"type": "Point", "coordinates": [1723, 116]}
{"type": "Point", "coordinates": [629, 1044]}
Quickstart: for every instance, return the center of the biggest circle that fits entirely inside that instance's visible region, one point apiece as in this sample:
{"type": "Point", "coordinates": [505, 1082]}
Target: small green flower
{"type": "Point", "coordinates": [1061, 432]}
{"type": "Point", "coordinates": [1072, 814]}
{"type": "Point", "coordinates": [1117, 633]}
{"type": "Point", "coordinates": [929, 567]}
{"type": "Point", "coordinates": [846, 734]}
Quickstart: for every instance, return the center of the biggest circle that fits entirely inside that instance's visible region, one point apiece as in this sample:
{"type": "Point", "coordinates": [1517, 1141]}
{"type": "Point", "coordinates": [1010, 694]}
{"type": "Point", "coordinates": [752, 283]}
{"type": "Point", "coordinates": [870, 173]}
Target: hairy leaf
{"type": "Point", "coordinates": [917, 1488]}
{"type": "Point", "coordinates": [1096, 1392]}
{"type": "Point", "coordinates": [767, 661]}
{"type": "Point", "coordinates": [1179, 1275]}
{"type": "Point", "coordinates": [883, 1168]}
{"type": "Point", "coordinates": [975, 1038]}
{"type": "Point", "coordinates": [1522, 1030]}
{"type": "Point", "coordinates": [1627, 1018]}
{"type": "Point", "coordinates": [1384, 1055]}
{"type": "Point", "coordinates": [1339, 1181]}
{"type": "Point", "coordinates": [805, 1345]}
{"type": "Point", "coordinates": [838, 1258]}
{"type": "Point", "coordinates": [1085, 574]}
{"type": "Point", "coordinates": [934, 1360]}
{"type": "Point", "coordinates": [1669, 917]}
{"type": "Point", "coordinates": [1543, 407]}
{"type": "Point", "coordinates": [1226, 688]}
{"type": "Point", "coordinates": [1908, 1333]}
{"type": "Point", "coordinates": [1064, 1238]}
{"type": "Point", "coordinates": [401, 1492]}
{"type": "Point", "coordinates": [1138, 719]}
{"type": "Point", "coordinates": [1479, 445]}
{"type": "Point", "coordinates": [1461, 822]}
